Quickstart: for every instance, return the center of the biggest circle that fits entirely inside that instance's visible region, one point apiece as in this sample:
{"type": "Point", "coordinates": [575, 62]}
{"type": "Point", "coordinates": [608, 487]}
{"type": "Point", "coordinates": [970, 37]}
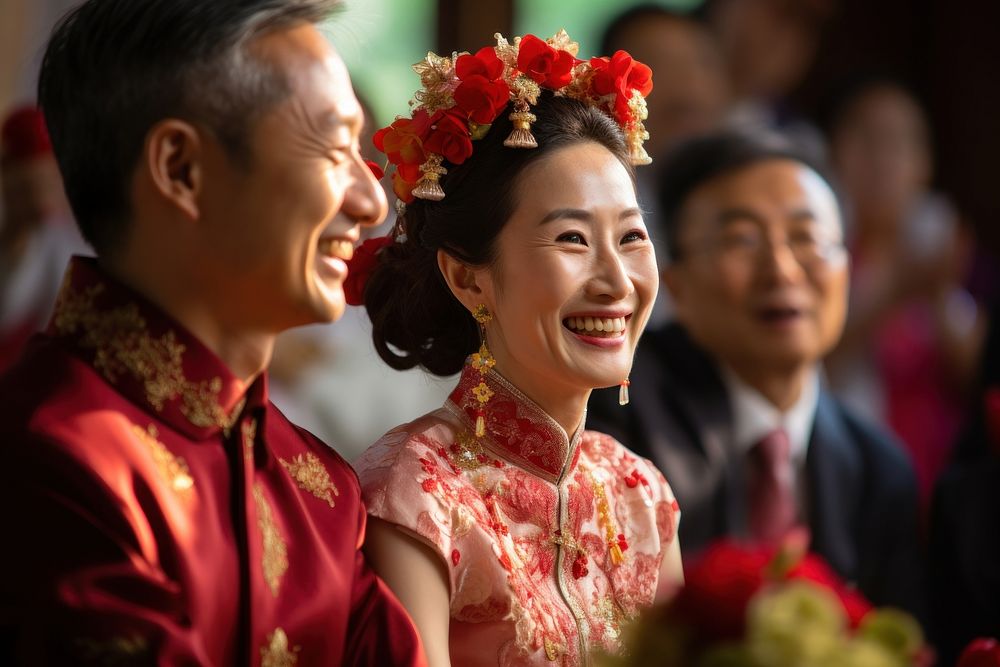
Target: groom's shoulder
{"type": "Point", "coordinates": [48, 387]}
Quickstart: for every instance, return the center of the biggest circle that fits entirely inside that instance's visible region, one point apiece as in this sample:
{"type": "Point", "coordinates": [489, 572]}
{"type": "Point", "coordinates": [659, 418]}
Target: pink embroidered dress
{"type": "Point", "coordinates": [550, 543]}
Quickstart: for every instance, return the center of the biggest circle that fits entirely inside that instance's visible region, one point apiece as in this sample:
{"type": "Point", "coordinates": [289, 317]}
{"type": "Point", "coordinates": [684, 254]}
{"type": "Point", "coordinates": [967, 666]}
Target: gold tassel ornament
{"type": "Point", "coordinates": [428, 186]}
{"type": "Point", "coordinates": [521, 136]}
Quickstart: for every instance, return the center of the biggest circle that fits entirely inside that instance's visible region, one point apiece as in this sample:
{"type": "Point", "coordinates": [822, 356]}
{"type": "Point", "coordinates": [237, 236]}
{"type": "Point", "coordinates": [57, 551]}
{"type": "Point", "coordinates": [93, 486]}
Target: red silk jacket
{"type": "Point", "coordinates": [156, 513]}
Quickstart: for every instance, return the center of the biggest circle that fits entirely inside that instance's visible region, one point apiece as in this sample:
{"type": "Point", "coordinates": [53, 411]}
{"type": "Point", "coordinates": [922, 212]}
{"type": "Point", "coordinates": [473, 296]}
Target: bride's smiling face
{"type": "Point", "coordinates": [575, 275]}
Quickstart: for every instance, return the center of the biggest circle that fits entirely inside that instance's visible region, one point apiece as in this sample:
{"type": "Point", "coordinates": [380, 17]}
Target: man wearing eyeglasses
{"type": "Point", "coordinates": [729, 400]}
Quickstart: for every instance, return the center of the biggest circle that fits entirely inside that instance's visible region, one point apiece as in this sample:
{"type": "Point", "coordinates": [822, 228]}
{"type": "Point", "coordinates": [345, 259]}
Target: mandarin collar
{"type": "Point", "coordinates": [147, 356]}
{"type": "Point", "coordinates": [517, 428]}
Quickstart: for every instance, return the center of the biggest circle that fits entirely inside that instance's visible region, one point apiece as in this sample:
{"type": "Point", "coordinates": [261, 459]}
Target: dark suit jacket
{"type": "Point", "coordinates": [861, 491]}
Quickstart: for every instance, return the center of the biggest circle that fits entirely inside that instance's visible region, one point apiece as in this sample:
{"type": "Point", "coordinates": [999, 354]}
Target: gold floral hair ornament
{"type": "Point", "coordinates": [461, 96]}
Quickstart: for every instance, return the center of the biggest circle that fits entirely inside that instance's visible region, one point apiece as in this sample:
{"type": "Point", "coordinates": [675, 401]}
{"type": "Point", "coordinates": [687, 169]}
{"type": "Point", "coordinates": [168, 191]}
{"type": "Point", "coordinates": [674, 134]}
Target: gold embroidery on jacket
{"type": "Point", "coordinates": [276, 653]}
{"type": "Point", "coordinates": [173, 469]}
{"type": "Point", "coordinates": [274, 552]}
{"type": "Point", "coordinates": [122, 344]}
{"type": "Point", "coordinates": [312, 476]}
{"type": "Point", "coordinates": [249, 429]}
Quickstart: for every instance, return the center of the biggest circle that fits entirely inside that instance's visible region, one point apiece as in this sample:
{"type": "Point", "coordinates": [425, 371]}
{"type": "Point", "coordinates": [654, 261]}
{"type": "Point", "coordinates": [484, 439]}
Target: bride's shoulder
{"type": "Point", "coordinates": [412, 440]}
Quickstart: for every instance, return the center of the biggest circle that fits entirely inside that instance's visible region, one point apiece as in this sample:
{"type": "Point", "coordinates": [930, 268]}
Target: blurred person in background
{"type": "Point", "coordinates": [37, 234]}
{"type": "Point", "coordinates": [690, 98]}
{"type": "Point", "coordinates": [768, 47]}
{"type": "Point", "coordinates": [691, 92]}
{"type": "Point", "coordinates": [964, 541]}
{"type": "Point", "coordinates": [908, 355]}
{"type": "Point", "coordinates": [730, 402]}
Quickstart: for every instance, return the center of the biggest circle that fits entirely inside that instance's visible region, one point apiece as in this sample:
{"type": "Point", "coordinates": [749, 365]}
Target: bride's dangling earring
{"type": "Point", "coordinates": [482, 361]}
{"type": "Point", "coordinates": [623, 392]}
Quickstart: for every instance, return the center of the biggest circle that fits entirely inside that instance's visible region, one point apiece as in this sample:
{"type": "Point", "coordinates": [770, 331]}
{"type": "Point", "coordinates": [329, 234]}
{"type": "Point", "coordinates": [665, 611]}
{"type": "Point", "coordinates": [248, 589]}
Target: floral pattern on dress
{"type": "Point", "coordinates": [514, 515]}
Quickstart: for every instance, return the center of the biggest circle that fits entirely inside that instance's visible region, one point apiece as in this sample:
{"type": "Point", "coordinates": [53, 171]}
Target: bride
{"type": "Point", "coordinates": [512, 534]}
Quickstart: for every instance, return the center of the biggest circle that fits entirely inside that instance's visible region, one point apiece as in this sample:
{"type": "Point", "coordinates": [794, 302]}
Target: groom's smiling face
{"type": "Point", "coordinates": [289, 219]}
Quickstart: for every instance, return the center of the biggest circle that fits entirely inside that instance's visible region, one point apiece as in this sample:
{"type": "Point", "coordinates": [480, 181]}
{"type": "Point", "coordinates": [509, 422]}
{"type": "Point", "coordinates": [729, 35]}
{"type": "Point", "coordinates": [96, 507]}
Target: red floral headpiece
{"type": "Point", "coordinates": [461, 96]}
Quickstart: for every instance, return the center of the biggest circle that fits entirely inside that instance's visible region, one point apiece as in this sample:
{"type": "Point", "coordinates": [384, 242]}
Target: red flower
{"type": "Point", "coordinates": [548, 67]}
{"type": "Point", "coordinates": [449, 136]}
{"type": "Point", "coordinates": [481, 98]}
{"type": "Point", "coordinates": [456, 556]}
{"type": "Point", "coordinates": [376, 170]}
{"type": "Point", "coordinates": [812, 568]}
{"type": "Point", "coordinates": [483, 93]}
{"type": "Point", "coordinates": [718, 588]}
{"type": "Point", "coordinates": [402, 187]}
{"type": "Point", "coordinates": [360, 268]}
{"type": "Point", "coordinates": [619, 76]}
{"type": "Point", "coordinates": [485, 64]}
{"type": "Point", "coordinates": [719, 585]}
{"type": "Point", "coordinates": [621, 73]}
{"type": "Point", "coordinates": [402, 141]}
{"type": "Point", "coordinates": [980, 653]}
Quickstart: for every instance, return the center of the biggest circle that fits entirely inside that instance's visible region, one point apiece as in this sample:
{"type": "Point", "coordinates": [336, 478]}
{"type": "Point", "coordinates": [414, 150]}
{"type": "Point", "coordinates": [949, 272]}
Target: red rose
{"type": "Point", "coordinates": [619, 76]}
{"type": "Point", "coordinates": [718, 587]}
{"type": "Point", "coordinates": [481, 98]}
{"type": "Point", "coordinates": [548, 67]}
{"type": "Point", "coordinates": [360, 268]}
{"type": "Point", "coordinates": [401, 141]}
{"type": "Point", "coordinates": [980, 653]}
{"type": "Point", "coordinates": [449, 137]}
{"type": "Point", "coordinates": [376, 170]}
{"type": "Point", "coordinates": [621, 73]}
{"type": "Point", "coordinates": [485, 64]}
{"type": "Point", "coordinates": [482, 93]}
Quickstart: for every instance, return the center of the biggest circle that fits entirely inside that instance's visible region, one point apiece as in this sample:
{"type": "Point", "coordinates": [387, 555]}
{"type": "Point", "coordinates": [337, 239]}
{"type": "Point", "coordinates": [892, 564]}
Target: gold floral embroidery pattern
{"type": "Point", "coordinates": [122, 344]}
{"type": "Point", "coordinates": [173, 469]}
{"type": "Point", "coordinates": [132, 650]}
{"type": "Point", "coordinates": [468, 453]}
{"type": "Point", "coordinates": [276, 653]}
{"type": "Point", "coordinates": [275, 552]}
{"type": "Point", "coordinates": [312, 476]}
{"type": "Point", "coordinates": [249, 429]}
{"type": "Point", "coordinates": [614, 617]}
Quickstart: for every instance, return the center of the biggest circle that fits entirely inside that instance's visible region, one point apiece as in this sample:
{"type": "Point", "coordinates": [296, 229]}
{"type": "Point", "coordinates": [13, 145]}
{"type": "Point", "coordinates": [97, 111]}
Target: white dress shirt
{"type": "Point", "coordinates": [754, 416]}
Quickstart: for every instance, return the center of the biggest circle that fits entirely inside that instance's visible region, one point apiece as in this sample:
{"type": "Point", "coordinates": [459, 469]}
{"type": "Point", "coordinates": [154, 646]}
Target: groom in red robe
{"type": "Point", "coordinates": [158, 509]}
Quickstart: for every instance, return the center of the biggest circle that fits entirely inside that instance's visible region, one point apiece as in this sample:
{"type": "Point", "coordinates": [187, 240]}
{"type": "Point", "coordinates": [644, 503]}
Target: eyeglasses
{"type": "Point", "coordinates": [810, 247]}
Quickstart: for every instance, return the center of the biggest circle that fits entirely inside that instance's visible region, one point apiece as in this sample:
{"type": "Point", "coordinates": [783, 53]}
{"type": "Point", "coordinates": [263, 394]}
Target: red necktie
{"type": "Point", "coordinates": [771, 487]}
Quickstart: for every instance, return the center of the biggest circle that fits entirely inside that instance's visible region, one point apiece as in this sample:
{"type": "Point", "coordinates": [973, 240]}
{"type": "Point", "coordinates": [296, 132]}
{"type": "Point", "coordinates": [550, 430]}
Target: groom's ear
{"type": "Point", "coordinates": [173, 160]}
{"type": "Point", "coordinates": [471, 286]}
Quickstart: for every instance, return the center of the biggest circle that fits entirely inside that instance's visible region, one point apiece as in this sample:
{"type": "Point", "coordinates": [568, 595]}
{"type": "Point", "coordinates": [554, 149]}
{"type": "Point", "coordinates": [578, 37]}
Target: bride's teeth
{"type": "Point", "coordinates": [609, 326]}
